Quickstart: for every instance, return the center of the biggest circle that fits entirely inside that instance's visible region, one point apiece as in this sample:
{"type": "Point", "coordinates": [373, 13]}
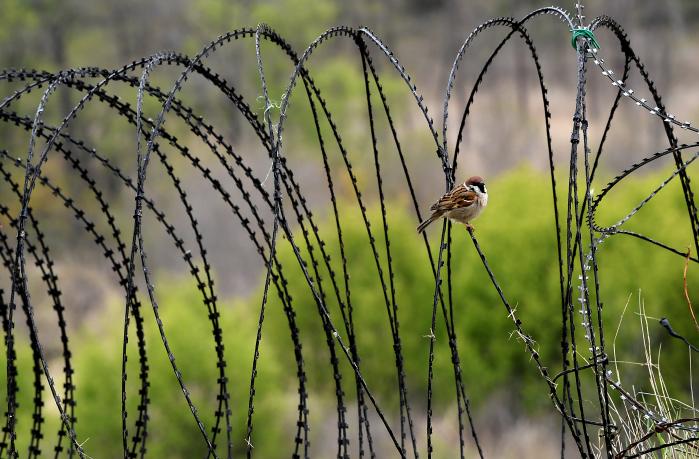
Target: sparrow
{"type": "Point", "coordinates": [462, 204]}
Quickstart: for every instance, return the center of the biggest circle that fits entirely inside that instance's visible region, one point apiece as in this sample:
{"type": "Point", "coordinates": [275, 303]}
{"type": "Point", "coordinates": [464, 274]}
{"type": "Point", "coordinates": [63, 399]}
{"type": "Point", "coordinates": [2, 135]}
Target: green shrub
{"type": "Point", "coordinates": [516, 233]}
{"type": "Point", "coordinates": [172, 429]}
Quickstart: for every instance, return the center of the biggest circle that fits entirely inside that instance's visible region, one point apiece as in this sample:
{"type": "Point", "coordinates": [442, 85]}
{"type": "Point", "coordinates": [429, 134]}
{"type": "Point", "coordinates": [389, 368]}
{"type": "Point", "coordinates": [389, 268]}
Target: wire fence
{"type": "Point", "coordinates": [593, 425]}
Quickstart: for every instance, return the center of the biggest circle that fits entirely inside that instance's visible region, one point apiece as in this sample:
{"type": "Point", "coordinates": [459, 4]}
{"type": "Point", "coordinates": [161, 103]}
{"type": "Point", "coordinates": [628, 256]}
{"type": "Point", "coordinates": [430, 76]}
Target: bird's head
{"type": "Point", "coordinates": [476, 183]}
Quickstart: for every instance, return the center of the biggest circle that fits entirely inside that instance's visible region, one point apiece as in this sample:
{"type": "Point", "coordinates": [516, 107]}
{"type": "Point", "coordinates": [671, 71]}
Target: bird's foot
{"type": "Point", "coordinates": [469, 227]}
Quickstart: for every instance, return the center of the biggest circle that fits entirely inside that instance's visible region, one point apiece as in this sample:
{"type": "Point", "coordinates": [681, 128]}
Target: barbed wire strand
{"type": "Point", "coordinates": [579, 212]}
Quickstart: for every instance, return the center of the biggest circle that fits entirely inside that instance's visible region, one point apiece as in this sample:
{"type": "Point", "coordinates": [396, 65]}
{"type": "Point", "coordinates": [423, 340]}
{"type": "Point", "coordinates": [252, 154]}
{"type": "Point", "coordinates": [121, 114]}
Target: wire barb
{"type": "Point", "coordinates": [582, 391]}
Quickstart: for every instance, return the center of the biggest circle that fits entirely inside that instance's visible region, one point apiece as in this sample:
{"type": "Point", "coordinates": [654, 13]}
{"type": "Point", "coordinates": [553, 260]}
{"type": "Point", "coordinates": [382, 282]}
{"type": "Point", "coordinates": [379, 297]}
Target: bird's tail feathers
{"type": "Point", "coordinates": [421, 227]}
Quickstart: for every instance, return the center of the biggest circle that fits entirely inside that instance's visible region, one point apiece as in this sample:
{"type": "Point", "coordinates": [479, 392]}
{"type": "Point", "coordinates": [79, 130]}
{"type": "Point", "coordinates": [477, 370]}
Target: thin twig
{"type": "Point", "coordinates": [686, 292]}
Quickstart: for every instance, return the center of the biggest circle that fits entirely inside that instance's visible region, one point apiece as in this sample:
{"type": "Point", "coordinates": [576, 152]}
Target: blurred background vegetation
{"type": "Point", "coordinates": [504, 142]}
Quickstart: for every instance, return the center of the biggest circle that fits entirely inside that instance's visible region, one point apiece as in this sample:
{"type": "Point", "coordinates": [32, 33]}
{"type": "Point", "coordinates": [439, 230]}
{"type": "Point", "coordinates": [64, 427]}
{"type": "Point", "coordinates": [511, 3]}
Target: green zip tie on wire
{"type": "Point", "coordinates": [583, 32]}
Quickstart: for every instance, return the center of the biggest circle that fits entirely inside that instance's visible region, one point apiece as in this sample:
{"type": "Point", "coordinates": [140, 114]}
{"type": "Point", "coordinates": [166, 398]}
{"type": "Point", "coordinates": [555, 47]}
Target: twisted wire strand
{"type": "Point", "coordinates": [287, 200]}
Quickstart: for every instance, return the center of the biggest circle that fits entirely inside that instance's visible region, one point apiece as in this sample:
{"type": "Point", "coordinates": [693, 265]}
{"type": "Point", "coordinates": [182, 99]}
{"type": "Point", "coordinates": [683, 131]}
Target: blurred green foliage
{"type": "Point", "coordinates": [517, 236]}
{"type": "Point", "coordinates": [516, 233]}
{"type": "Point", "coordinates": [98, 380]}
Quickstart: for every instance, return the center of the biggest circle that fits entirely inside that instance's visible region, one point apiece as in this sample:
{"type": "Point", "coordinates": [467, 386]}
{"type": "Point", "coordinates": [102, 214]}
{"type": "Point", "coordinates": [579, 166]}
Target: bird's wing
{"type": "Point", "coordinates": [457, 198]}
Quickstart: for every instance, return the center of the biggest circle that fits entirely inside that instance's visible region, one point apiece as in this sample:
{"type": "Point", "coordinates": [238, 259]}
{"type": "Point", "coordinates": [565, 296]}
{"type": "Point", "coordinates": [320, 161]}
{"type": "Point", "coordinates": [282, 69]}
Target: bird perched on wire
{"type": "Point", "coordinates": [462, 204]}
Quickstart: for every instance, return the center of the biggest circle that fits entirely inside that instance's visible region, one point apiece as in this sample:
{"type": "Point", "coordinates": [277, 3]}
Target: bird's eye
{"type": "Point", "coordinates": [481, 186]}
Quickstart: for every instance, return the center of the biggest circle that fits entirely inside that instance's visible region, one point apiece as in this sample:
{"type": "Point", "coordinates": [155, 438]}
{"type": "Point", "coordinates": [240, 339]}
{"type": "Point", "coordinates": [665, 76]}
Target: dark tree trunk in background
{"type": "Point", "coordinates": [56, 28]}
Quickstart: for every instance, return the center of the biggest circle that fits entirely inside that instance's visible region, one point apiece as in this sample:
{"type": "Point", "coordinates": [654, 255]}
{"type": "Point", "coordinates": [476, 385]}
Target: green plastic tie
{"type": "Point", "coordinates": [584, 32]}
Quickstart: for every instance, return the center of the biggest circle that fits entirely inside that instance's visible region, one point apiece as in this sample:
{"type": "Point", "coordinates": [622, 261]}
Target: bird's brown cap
{"type": "Point", "coordinates": [475, 180]}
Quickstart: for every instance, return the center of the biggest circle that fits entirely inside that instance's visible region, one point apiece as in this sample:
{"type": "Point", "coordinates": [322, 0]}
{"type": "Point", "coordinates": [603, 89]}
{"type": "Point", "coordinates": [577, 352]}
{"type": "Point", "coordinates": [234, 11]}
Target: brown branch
{"type": "Point", "coordinates": [677, 437]}
{"type": "Point", "coordinates": [623, 453]}
{"type": "Point", "coordinates": [659, 428]}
